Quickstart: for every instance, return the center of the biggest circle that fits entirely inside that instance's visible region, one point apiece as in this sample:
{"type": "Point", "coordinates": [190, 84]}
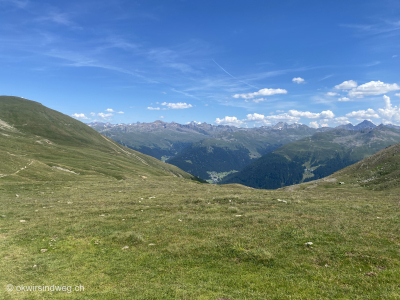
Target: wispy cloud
{"type": "Point", "coordinates": [184, 93]}
{"type": "Point", "coordinates": [18, 3]}
{"type": "Point", "coordinates": [371, 64]}
{"type": "Point", "coordinates": [275, 73]}
{"type": "Point", "coordinates": [374, 29]}
{"type": "Point", "coordinates": [234, 76]}
{"type": "Point", "coordinates": [78, 60]}
{"type": "Point", "coordinates": [326, 77]}
{"type": "Point", "coordinates": [58, 18]}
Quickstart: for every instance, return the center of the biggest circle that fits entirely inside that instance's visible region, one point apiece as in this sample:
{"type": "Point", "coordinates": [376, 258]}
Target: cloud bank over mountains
{"type": "Point", "coordinates": [355, 92]}
{"type": "Point", "coordinates": [386, 115]}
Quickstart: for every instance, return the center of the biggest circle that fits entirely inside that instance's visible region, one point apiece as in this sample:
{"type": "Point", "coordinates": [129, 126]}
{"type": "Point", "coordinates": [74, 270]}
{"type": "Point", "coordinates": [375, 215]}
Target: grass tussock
{"type": "Point", "coordinates": [175, 239]}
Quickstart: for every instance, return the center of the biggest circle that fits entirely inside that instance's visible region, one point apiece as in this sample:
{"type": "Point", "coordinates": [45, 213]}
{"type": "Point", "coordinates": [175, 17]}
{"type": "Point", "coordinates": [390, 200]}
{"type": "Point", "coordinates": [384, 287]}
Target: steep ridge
{"type": "Point", "coordinates": [380, 171]}
{"type": "Point", "coordinates": [42, 144]}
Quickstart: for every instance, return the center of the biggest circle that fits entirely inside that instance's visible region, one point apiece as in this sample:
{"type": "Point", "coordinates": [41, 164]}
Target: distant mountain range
{"type": "Point", "coordinates": [315, 157]}
{"type": "Point", "coordinates": [364, 124]}
{"type": "Point", "coordinates": [202, 149]}
{"type": "Point", "coordinates": [208, 151]}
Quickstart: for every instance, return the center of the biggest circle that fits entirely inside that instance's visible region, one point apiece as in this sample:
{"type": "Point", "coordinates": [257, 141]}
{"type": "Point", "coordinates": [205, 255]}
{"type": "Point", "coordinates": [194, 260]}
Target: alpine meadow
{"type": "Point", "coordinates": [195, 150]}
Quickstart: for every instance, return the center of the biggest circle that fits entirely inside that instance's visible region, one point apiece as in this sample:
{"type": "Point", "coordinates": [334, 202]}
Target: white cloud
{"type": "Point", "coordinates": [298, 80]}
{"type": "Point", "coordinates": [373, 88]}
{"type": "Point", "coordinates": [324, 125]}
{"type": "Point", "coordinates": [398, 94]}
{"type": "Point", "coordinates": [92, 114]}
{"type": "Point", "coordinates": [346, 85]}
{"type": "Point", "coordinates": [344, 99]}
{"type": "Point", "coordinates": [394, 56]}
{"type": "Point", "coordinates": [259, 118]}
{"type": "Point", "coordinates": [113, 111]}
{"type": "Point", "coordinates": [327, 114]}
{"type": "Point", "coordinates": [103, 115]}
{"type": "Point", "coordinates": [262, 92]}
{"type": "Point", "coordinates": [258, 100]}
{"type": "Point", "coordinates": [153, 108]}
{"type": "Point", "coordinates": [332, 94]}
{"type": "Point", "coordinates": [389, 113]}
{"type": "Point", "coordinates": [283, 118]}
{"type": "Point", "coordinates": [341, 120]}
{"type": "Point", "coordinates": [161, 117]}
{"type": "Point", "coordinates": [178, 105]}
{"type": "Point", "coordinates": [232, 121]}
{"type": "Point", "coordinates": [292, 116]}
{"type": "Point", "coordinates": [314, 124]}
{"type": "Point", "coordinates": [363, 114]}
{"type": "Point", "coordinates": [79, 116]}
{"type": "Point", "coordinates": [388, 105]}
{"type": "Point", "coordinates": [255, 117]}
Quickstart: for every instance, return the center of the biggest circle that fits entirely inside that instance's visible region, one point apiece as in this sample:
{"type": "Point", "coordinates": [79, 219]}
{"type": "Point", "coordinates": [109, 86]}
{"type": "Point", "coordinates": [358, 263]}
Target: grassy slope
{"type": "Point", "coordinates": [380, 171]}
{"type": "Point", "coordinates": [209, 241]}
{"type": "Point", "coordinates": [41, 138]}
{"type": "Point", "coordinates": [325, 153]}
{"type": "Point", "coordinates": [188, 240]}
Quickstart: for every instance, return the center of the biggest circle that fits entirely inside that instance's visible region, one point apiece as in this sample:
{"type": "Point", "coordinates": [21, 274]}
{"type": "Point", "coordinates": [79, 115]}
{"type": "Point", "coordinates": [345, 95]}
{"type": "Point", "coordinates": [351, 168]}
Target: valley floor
{"type": "Point", "coordinates": [174, 239]}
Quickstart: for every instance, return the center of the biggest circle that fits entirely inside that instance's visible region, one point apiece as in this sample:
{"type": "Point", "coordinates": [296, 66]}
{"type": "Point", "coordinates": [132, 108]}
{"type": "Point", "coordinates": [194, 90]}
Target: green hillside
{"type": "Point", "coordinates": [314, 157]}
{"type": "Point", "coordinates": [123, 225]}
{"type": "Point", "coordinates": [380, 171]}
{"type": "Point", "coordinates": [38, 143]}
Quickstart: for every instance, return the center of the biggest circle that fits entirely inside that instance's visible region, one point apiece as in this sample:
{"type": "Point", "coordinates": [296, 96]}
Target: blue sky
{"type": "Point", "coordinates": [242, 63]}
